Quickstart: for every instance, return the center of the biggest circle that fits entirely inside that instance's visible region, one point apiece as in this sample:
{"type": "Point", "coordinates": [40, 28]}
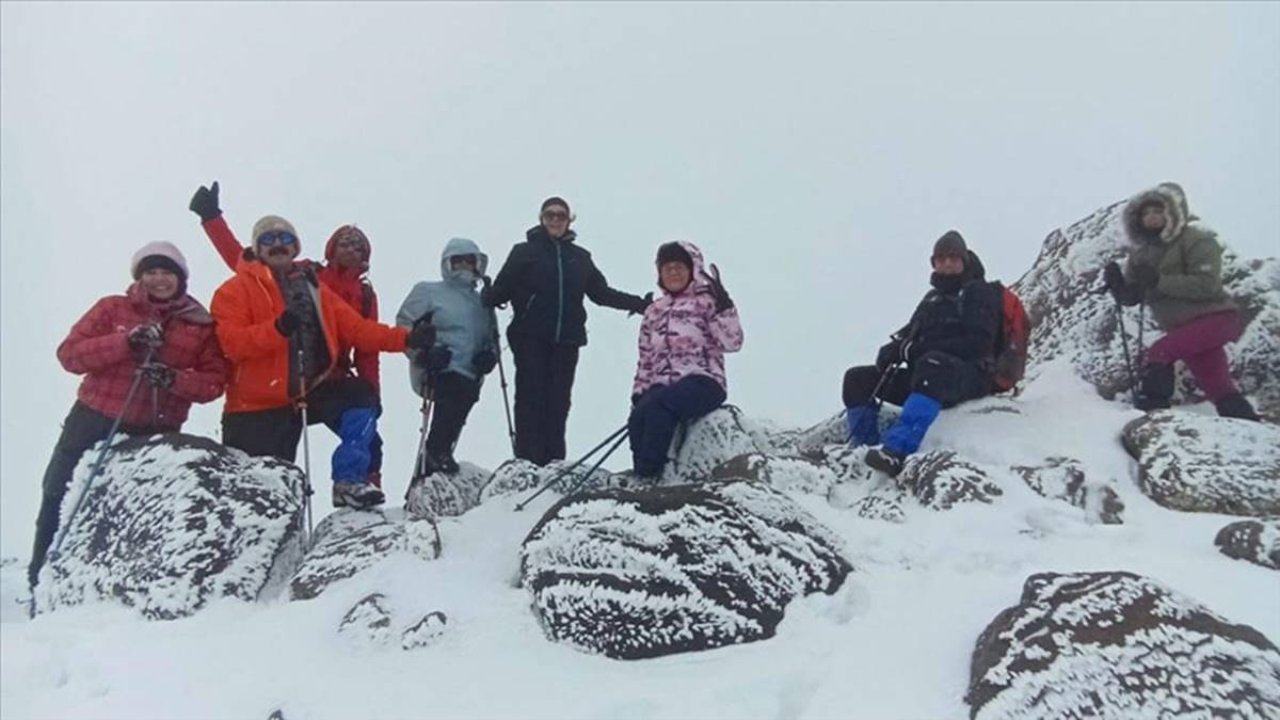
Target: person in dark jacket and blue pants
{"type": "Point", "coordinates": [948, 348]}
{"type": "Point", "coordinates": [545, 279]}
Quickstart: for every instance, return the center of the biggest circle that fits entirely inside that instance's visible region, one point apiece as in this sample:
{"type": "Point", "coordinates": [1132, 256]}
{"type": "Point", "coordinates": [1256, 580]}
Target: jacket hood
{"type": "Point", "coordinates": [538, 232]}
{"type": "Point", "coordinates": [973, 267]}
{"type": "Point", "coordinates": [1169, 195]}
{"type": "Point", "coordinates": [462, 246]}
{"type": "Point", "coordinates": [699, 279]}
{"type": "Point", "coordinates": [343, 232]}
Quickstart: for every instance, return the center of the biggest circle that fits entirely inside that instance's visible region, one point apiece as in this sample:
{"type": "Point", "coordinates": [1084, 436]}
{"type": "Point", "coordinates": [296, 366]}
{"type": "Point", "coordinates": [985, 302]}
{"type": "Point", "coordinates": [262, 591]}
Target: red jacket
{"type": "Point", "coordinates": [349, 284]}
{"type": "Point", "coordinates": [98, 348]}
{"type": "Point", "coordinates": [245, 309]}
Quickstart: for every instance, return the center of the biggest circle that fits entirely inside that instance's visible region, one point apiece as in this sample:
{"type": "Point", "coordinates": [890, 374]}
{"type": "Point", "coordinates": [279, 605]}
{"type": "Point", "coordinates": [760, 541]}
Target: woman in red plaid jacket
{"type": "Point", "coordinates": [154, 334]}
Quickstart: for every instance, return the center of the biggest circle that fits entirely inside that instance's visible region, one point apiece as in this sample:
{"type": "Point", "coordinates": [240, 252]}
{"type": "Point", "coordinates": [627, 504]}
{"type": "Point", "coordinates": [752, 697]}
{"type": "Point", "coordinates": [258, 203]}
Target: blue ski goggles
{"type": "Point", "coordinates": [277, 237]}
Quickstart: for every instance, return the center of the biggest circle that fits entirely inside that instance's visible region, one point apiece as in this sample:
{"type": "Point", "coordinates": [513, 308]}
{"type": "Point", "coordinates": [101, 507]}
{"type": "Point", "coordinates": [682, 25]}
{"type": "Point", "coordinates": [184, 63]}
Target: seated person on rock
{"type": "Point", "coordinates": [146, 356]}
{"type": "Point", "coordinates": [948, 348]}
{"type": "Point", "coordinates": [451, 370]}
{"type": "Point", "coordinates": [680, 372]}
{"type": "Point", "coordinates": [284, 332]}
{"type": "Point", "coordinates": [1175, 267]}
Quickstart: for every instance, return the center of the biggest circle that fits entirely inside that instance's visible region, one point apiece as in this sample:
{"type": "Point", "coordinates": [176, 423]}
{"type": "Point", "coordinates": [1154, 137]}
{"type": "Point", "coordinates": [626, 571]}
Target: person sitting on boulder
{"type": "Point", "coordinates": [680, 371]}
{"type": "Point", "coordinates": [1175, 267]}
{"type": "Point", "coordinates": [462, 353]}
{"type": "Point", "coordinates": [948, 348]}
{"type": "Point", "coordinates": [146, 355]}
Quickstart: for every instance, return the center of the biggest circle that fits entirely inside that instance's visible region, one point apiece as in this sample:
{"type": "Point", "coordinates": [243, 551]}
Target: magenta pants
{"type": "Point", "coordinates": [1199, 343]}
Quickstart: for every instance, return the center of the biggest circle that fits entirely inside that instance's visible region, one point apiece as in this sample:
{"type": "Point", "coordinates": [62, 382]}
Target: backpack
{"type": "Point", "coordinates": [1011, 341]}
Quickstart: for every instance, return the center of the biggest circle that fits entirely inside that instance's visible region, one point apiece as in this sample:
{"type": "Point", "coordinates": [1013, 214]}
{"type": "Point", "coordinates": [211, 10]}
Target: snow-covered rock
{"type": "Point", "coordinates": [1071, 317]}
{"type": "Point", "coordinates": [712, 439]}
{"type": "Point", "coordinates": [785, 473]}
{"type": "Point", "coordinates": [1118, 645]}
{"type": "Point", "coordinates": [1201, 463]}
{"type": "Point", "coordinates": [940, 479]}
{"type": "Point", "coordinates": [368, 622]}
{"type": "Point", "coordinates": [675, 569]}
{"type": "Point", "coordinates": [444, 495]}
{"type": "Point", "coordinates": [1063, 478]}
{"type": "Point", "coordinates": [172, 522]}
{"type": "Point", "coordinates": [1253, 540]}
{"type": "Point", "coordinates": [350, 541]}
{"type": "Point", "coordinates": [425, 632]}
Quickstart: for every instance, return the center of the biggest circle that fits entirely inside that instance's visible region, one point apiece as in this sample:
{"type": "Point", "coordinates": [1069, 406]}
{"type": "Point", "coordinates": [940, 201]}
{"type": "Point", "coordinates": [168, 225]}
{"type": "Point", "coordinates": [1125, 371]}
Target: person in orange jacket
{"type": "Point", "coordinates": [345, 271]}
{"type": "Point", "coordinates": [283, 331]}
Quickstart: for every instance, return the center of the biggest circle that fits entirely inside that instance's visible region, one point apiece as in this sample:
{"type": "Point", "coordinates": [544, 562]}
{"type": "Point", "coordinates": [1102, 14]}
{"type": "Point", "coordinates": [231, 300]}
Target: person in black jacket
{"type": "Point", "coordinates": [948, 348]}
{"type": "Point", "coordinates": [545, 279]}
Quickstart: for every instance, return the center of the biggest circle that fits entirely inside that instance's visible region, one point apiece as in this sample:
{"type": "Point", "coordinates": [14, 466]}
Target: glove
{"type": "Point", "coordinates": [146, 337]}
{"type": "Point", "coordinates": [644, 304]}
{"type": "Point", "coordinates": [422, 335]}
{"type": "Point", "coordinates": [158, 374]}
{"type": "Point", "coordinates": [890, 354]}
{"type": "Point", "coordinates": [485, 361]}
{"type": "Point", "coordinates": [435, 358]}
{"type": "Point", "coordinates": [1145, 276]}
{"type": "Point", "coordinates": [723, 302]}
{"type": "Point", "coordinates": [288, 322]}
{"type": "Point", "coordinates": [1113, 277]}
{"type": "Point", "coordinates": [205, 202]}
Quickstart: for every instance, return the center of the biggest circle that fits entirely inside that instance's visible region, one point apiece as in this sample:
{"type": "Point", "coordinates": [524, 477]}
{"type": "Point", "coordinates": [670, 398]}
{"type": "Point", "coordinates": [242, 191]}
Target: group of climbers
{"type": "Point", "coordinates": [289, 339]}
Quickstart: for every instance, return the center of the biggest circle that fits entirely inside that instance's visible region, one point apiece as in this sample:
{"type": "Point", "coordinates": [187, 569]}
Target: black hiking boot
{"type": "Point", "coordinates": [1236, 406]}
{"type": "Point", "coordinates": [886, 461]}
{"type": "Point", "coordinates": [1155, 390]}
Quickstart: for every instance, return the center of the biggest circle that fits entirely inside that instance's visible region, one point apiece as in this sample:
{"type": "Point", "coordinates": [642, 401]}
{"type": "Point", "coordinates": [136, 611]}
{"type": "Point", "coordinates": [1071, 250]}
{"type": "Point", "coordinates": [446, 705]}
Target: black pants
{"type": "Point", "coordinates": [945, 378]}
{"type": "Point", "coordinates": [453, 395]}
{"type": "Point", "coordinates": [658, 411]}
{"type": "Point", "coordinates": [83, 427]}
{"type": "Point", "coordinates": [544, 385]}
{"type": "Point", "coordinates": [276, 432]}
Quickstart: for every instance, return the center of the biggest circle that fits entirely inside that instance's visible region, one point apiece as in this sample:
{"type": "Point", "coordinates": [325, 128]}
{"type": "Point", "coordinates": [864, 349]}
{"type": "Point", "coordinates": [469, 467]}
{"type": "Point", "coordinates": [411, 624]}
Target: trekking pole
{"type": "Point", "coordinates": [102, 457]}
{"type": "Point", "coordinates": [595, 467]}
{"type": "Point", "coordinates": [1124, 343]}
{"type": "Point", "coordinates": [884, 378]}
{"type": "Point", "coordinates": [620, 431]}
{"type": "Point", "coordinates": [307, 490]}
{"type": "Point", "coordinates": [428, 403]}
{"type": "Point", "coordinates": [502, 373]}
{"type": "Point", "coordinates": [1142, 349]}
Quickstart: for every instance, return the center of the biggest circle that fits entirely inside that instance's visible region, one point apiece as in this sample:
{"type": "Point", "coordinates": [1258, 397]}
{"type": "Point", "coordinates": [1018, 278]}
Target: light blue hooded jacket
{"type": "Point", "coordinates": [462, 323]}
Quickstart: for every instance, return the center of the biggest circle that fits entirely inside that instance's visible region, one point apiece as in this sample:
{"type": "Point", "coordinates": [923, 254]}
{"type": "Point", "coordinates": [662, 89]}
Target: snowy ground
{"type": "Point", "coordinates": [894, 643]}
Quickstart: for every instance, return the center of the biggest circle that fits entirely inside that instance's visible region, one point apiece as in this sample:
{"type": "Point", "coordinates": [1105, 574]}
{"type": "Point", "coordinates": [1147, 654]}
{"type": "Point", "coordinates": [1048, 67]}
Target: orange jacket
{"type": "Point", "coordinates": [245, 309]}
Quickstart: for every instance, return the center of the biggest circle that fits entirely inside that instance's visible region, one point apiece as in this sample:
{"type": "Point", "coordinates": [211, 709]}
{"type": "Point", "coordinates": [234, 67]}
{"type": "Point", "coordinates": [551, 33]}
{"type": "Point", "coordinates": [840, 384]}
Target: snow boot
{"type": "Point", "coordinates": [862, 425]}
{"type": "Point", "coordinates": [885, 460]}
{"type": "Point", "coordinates": [1155, 389]}
{"type": "Point", "coordinates": [1236, 406]}
{"type": "Point", "coordinates": [359, 495]}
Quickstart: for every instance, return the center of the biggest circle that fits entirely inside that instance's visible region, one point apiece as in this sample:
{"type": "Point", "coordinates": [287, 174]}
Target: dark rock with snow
{"type": "Point", "coordinates": [1257, 541]}
{"type": "Point", "coordinates": [521, 478]}
{"type": "Point", "coordinates": [940, 480]}
{"type": "Point", "coordinates": [709, 441]}
{"type": "Point", "coordinates": [351, 541]}
{"type": "Point", "coordinates": [675, 569]}
{"type": "Point", "coordinates": [446, 495]}
{"type": "Point", "coordinates": [1072, 318]}
{"type": "Point", "coordinates": [1118, 645]}
{"type": "Point", "coordinates": [368, 622]}
{"type": "Point", "coordinates": [1063, 478]}
{"type": "Point", "coordinates": [425, 632]}
{"type": "Point", "coordinates": [1201, 463]}
{"type": "Point", "coordinates": [172, 522]}
{"type": "Point", "coordinates": [789, 474]}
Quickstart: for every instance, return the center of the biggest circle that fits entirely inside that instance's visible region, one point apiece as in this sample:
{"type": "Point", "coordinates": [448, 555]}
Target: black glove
{"type": "Point", "coordinates": [434, 359]}
{"type": "Point", "coordinates": [643, 305]}
{"type": "Point", "coordinates": [1145, 276]}
{"type": "Point", "coordinates": [1113, 277]}
{"type": "Point", "coordinates": [146, 337]}
{"type": "Point", "coordinates": [890, 354]}
{"type": "Point", "coordinates": [288, 323]}
{"type": "Point", "coordinates": [422, 335]}
{"type": "Point", "coordinates": [205, 202]}
{"type": "Point", "coordinates": [158, 374]}
{"type": "Point", "coordinates": [485, 361]}
{"type": "Point", "coordinates": [723, 302]}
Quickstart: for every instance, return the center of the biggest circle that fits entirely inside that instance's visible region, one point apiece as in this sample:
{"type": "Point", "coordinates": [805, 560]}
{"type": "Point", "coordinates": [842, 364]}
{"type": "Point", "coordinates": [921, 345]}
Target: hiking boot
{"type": "Point", "coordinates": [360, 496]}
{"type": "Point", "coordinates": [886, 461]}
{"type": "Point", "coordinates": [375, 479]}
{"type": "Point", "coordinates": [447, 464]}
{"type": "Point", "coordinates": [1236, 406]}
{"type": "Point", "coordinates": [1155, 389]}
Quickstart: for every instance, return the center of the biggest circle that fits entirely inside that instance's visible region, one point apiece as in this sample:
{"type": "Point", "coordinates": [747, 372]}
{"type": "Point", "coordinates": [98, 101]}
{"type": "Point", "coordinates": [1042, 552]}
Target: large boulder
{"type": "Point", "coordinates": [1071, 318]}
{"type": "Point", "coordinates": [172, 522]}
{"type": "Point", "coordinates": [786, 473]}
{"type": "Point", "coordinates": [941, 479]}
{"type": "Point", "coordinates": [1201, 463]}
{"type": "Point", "coordinates": [351, 541]}
{"type": "Point", "coordinates": [1256, 541]}
{"type": "Point", "coordinates": [1117, 645]}
{"type": "Point", "coordinates": [446, 495]}
{"type": "Point", "coordinates": [712, 439]}
{"type": "Point", "coordinates": [675, 569]}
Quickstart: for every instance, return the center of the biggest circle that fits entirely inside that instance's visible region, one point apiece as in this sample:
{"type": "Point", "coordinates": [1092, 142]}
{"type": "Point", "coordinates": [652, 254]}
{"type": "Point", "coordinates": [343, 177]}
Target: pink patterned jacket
{"type": "Point", "coordinates": [682, 334]}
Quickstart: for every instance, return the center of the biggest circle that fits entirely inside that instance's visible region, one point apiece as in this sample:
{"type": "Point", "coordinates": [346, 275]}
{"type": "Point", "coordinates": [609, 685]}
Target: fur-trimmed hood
{"type": "Point", "coordinates": [1171, 196]}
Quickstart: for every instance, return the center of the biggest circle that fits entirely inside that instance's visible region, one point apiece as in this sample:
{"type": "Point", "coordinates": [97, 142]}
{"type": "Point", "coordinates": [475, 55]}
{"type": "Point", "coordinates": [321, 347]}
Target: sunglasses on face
{"type": "Point", "coordinates": [280, 237]}
{"type": "Point", "coordinates": [555, 215]}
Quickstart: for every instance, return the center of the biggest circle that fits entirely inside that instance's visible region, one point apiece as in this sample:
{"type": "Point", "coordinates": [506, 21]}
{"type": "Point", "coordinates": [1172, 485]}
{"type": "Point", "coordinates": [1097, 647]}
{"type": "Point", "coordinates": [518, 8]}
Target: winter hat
{"type": "Point", "coordinates": [950, 244]}
{"type": "Point", "coordinates": [554, 200]}
{"type": "Point", "coordinates": [343, 233]}
{"type": "Point", "coordinates": [273, 223]}
{"type": "Point", "coordinates": [159, 255]}
{"type": "Point", "coordinates": [674, 252]}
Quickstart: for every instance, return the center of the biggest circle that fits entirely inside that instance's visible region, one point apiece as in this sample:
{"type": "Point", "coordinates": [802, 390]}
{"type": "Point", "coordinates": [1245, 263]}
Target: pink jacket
{"type": "Point", "coordinates": [683, 335]}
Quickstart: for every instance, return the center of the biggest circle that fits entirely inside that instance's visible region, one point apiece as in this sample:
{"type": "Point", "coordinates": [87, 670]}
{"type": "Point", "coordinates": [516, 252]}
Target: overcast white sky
{"type": "Point", "coordinates": [813, 151]}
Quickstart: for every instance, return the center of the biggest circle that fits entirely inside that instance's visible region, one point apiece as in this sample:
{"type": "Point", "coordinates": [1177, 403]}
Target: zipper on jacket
{"type": "Point", "coordinates": [560, 283]}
